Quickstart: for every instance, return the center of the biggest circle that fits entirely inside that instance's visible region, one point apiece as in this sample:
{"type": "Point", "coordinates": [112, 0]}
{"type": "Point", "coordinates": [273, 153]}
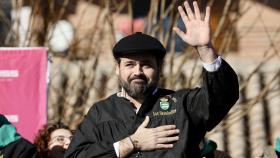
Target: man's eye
{"type": "Point", "coordinates": [128, 65]}
{"type": "Point", "coordinates": [147, 65]}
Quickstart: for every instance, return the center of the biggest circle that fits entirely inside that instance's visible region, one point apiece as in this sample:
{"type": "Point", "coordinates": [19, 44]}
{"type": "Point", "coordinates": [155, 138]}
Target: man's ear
{"type": "Point", "coordinates": [160, 65]}
{"type": "Point", "coordinates": [117, 70]}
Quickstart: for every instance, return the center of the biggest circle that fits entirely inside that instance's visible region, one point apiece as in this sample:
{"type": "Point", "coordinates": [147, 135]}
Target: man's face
{"type": "Point", "coordinates": [137, 73]}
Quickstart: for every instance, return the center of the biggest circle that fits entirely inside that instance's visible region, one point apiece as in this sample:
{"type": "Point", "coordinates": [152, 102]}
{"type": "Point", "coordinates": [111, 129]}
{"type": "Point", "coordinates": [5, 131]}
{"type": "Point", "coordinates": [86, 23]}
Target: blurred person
{"type": "Point", "coordinates": [126, 24]}
{"type": "Point", "coordinates": [12, 145]}
{"type": "Point", "coordinates": [209, 150]}
{"type": "Point", "coordinates": [52, 140]}
{"type": "Point", "coordinates": [144, 120]}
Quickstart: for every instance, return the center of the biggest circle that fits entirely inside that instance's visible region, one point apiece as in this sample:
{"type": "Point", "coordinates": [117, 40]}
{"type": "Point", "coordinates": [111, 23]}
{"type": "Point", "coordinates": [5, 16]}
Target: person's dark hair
{"type": "Point", "coordinates": [159, 61]}
{"type": "Point", "coordinates": [43, 137]}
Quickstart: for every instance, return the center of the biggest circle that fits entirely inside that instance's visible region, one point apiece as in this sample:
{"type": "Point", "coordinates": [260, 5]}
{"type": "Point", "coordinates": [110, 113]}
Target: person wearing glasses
{"type": "Point", "coordinates": [53, 140]}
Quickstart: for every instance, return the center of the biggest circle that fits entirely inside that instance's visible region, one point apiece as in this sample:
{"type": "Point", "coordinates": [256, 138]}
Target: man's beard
{"type": "Point", "coordinates": [138, 89]}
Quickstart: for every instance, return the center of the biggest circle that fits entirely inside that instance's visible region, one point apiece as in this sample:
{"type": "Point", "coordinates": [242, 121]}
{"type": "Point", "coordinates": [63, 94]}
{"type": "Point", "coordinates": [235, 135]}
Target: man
{"type": "Point", "coordinates": [143, 120]}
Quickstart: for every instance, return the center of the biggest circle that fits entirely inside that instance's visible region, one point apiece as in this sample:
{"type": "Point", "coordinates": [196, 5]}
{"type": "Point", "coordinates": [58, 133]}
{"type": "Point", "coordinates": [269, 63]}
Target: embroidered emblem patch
{"type": "Point", "coordinates": [164, 104]}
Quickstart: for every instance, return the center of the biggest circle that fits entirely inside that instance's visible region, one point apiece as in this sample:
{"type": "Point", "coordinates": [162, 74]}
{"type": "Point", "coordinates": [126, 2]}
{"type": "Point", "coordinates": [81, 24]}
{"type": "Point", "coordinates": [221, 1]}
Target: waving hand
{"type": "Point", "coordinates": [198, 28]}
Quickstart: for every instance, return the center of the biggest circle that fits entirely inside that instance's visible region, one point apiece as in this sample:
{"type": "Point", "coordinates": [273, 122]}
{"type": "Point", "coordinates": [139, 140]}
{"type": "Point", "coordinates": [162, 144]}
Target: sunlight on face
{"type": "Point", "coordinates": [137, 73]}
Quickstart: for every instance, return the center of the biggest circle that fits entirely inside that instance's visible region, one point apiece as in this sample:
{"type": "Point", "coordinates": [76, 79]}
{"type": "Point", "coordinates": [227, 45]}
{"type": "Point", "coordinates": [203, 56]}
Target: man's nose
{"type": "Point", "coordinates": [139, 70]}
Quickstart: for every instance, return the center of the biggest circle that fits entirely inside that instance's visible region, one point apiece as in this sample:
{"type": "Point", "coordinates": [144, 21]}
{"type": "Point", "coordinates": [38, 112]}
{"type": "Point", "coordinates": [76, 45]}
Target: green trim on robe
{"type": "Point", "coordinates": [277, 145]}
{"type": "Point", "coordinates": [209, 147]}
{"type": "Point", "coordinates": [8, 132]}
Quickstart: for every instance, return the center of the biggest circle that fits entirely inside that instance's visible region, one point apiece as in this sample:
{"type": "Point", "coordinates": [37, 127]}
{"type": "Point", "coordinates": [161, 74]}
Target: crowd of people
{"type": "Point", "coordinates": [142, 119]}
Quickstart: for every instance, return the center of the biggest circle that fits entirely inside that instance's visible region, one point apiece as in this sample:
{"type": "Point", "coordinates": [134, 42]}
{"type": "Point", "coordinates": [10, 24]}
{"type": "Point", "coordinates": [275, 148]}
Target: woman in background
{"type": "Point", "coordinates": [53, 140]}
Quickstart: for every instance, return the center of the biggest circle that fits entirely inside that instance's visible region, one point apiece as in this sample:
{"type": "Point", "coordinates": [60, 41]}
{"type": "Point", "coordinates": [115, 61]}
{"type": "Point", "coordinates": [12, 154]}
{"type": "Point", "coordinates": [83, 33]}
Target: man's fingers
{"type": "Point", "coordinates": [164, 146]}
{"type": "Point", "coordinates": [165, 128]}
{"type": "Point", "coordinates": [196, 11]}
{"type": "Point", "coordinates": [168, 133]}
{"type": "Point", "coordinates": [145, 122]}
{"type": "Point", "coordinates": [189, 10]}
{"type": "Point", "coordinates": [183, 15]}
{"type": "Point", "coordinates": [207, 14]}
{"type": "Point", "coordinates": [166, 140]}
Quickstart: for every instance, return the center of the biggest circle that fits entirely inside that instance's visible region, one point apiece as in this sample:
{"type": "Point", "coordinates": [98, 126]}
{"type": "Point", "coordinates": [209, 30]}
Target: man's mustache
{"type": "Point", "coordinates": [142, 77]}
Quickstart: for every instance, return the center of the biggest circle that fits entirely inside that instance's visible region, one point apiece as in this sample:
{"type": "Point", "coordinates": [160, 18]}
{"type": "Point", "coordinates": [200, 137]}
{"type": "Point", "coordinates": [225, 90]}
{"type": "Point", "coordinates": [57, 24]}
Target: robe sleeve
{"type": "Point", "coordinates": [208, 105]}
{"type": "Point", "coordinates": [87, 142]}
{"type": "Point", "coordinates": [20, 148]}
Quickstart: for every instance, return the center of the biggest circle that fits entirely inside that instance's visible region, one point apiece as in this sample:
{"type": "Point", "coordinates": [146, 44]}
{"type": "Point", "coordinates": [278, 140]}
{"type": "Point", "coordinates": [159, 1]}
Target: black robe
{"type": "Point", "coordinates": [193, 111]}
{"type": "Point", "coordinates": [20, 148]}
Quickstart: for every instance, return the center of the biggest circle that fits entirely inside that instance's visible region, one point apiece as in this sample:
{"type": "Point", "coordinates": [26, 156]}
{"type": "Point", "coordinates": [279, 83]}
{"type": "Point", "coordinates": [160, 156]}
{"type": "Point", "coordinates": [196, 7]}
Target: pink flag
{"type": "Point", "coordinates": [23, 88]}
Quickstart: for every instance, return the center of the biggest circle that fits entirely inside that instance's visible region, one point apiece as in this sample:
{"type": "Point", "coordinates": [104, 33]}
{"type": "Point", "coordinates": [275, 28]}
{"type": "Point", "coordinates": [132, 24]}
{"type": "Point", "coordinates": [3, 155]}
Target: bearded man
{"type": "Point", "coordinates": [144, 120]}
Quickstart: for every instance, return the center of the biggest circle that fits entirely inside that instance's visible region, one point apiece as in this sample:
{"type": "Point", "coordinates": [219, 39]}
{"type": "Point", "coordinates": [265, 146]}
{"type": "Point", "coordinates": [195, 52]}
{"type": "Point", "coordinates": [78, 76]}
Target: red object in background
{"type": "Point", "coordinates": [125, 25]}
{"type": "Point", "coordinates": [23, 88]}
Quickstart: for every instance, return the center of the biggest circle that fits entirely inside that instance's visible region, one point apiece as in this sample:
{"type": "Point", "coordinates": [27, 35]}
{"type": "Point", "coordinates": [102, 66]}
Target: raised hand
{"type": "Point", "coordinates": [197, 28]}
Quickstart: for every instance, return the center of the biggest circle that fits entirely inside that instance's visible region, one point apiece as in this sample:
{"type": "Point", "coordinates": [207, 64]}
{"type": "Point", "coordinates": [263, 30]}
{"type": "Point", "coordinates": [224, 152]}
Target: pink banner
{"type": "Point", "coordinates": [23, 88]}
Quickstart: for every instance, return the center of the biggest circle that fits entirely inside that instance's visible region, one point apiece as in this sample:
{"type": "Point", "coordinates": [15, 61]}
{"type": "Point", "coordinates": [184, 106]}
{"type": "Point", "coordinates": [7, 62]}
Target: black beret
{"type": "Point", "coordinates": [139, 43]}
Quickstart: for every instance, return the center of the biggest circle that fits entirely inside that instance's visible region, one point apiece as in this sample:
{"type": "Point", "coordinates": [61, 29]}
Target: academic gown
{"type": "Point", "coordinates": [193, 111]}
{"type": "Point", "coordinates": [20, 148]}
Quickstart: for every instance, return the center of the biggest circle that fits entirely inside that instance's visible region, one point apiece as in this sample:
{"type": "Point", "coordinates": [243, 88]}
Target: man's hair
{"type": "Point", "coordinates": [158, 60]}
